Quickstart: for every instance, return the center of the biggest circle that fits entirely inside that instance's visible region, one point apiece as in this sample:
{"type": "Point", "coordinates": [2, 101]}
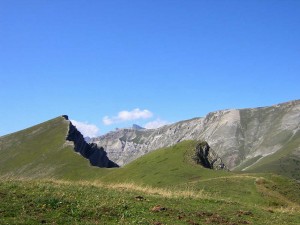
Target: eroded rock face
{"type": "Point", "coordinates": [235, 135]}
{"type": "Point", "coordinates": [206, 157]}
{"type": "Point", "coordinates": [96, 156]}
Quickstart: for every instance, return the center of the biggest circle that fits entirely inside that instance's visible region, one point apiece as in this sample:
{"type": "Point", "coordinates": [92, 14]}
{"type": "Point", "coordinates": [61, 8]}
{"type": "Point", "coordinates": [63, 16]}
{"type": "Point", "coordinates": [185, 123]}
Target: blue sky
{"type": "Point", "coordinates": [113, 63]}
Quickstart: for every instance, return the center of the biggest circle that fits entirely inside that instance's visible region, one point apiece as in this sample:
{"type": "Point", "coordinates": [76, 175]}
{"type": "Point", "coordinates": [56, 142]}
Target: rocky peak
{"type": "Point", "coordinates": [137, 127]}
{"type": "Point", "coordinates": [66, 117]}
{"type": "Point", "coordinates": [96, 155]}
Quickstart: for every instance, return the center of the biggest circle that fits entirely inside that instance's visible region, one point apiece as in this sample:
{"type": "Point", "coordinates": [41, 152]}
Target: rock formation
{"type": "Point", "coordinates": [205, 156]}
{"type": "Point", "coordinates": [96, 156]}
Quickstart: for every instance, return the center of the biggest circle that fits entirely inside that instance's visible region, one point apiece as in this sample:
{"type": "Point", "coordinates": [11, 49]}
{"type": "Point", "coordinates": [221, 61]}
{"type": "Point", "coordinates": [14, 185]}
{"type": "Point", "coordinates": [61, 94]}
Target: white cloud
{"type": "Point", "coordinates": [156, 124]}
{"type": "Point", "coordinates": [135, 114]}
{"type": "Point", "coordinates": [107, 121]}
{"type": "Point", "coordinates": [127, 116]}
{"type": "Point", "coordinates": [87, 130]}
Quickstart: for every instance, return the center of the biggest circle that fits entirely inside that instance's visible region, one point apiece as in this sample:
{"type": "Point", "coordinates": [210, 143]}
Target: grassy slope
{"type": "Point", "coordinates": [284, 161]}
{"type": "Point", "coordinates": [53, 202]}
{"type": "Point", "coordinates": [164, 177]}
{"type": "Point", "coordinates": [173, 168]}
{"type": "Point", "coordinates": [164, 167]}
{"type": "Point", "coordinates": [39, 152]}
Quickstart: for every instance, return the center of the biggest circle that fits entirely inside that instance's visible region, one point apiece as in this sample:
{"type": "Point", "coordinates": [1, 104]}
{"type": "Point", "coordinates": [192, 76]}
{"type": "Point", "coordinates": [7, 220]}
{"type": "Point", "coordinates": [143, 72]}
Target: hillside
{"type": "Point", "coordinates": [43, 151]}
{"type": "Point", "coordinates": [173, 167]}
{"type": "Point", "coordinates": [163, 187]}
{"type": "Point", "coordinates": [258, 139]}
{"type": "Point", "coordinates": [165, 167]}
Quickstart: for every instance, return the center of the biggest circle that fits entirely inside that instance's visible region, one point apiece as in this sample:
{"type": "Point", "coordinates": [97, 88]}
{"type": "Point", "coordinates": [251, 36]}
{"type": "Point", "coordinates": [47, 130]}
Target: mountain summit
{"type": "Point", "coordinates": [137, 127]}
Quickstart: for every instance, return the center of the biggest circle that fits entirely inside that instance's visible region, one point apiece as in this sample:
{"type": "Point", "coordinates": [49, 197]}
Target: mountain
{"type": "Point", "coordinates": [137, 127]}
{"type": "Point", "coordinates": [46, 171]}
{"type": "Point", "coordinates": [264, 139]}
{"type": "Point", "coordinates": [87, 139]}
{"type": "Point", "coordinates": [255, 139]}
{"type": "Point", "coordinates": [51, 149]}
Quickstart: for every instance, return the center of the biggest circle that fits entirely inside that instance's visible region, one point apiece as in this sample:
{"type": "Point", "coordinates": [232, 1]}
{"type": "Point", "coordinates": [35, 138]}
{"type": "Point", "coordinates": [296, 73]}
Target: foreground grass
{"type": "Point", "coordinates": [63, 202]}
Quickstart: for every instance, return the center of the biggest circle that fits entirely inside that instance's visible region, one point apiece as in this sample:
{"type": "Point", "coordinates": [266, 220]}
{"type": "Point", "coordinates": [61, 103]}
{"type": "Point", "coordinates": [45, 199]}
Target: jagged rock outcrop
{"type": "Point", "coordinates": [205, 156]}
{"type": "Point", "coordinates": [242, 138]}
{"type": "Point", "coordinates": [96, 155]}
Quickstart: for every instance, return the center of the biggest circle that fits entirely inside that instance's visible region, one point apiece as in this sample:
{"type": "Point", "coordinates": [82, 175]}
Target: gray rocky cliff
{"type": "Point", "coordinates": [96, 155]}
{"type": "Point", "coordinates": [237, 136]}
{"type": "Point", "coordinates": [206, 157]}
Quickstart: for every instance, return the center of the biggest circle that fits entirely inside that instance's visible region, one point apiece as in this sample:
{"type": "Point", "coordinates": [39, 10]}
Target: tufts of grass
{"type": "Point", "coordinates": [64, 202]}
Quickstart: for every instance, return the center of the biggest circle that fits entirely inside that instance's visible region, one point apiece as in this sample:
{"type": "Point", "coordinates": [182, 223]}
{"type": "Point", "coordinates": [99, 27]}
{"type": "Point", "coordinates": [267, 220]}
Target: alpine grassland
{"type": "Point", "coordinates": [44, 181]}
{"type": "Point", "coordinates": [81, 202]}
{"type": "Point", "coordinates": [42, 151]}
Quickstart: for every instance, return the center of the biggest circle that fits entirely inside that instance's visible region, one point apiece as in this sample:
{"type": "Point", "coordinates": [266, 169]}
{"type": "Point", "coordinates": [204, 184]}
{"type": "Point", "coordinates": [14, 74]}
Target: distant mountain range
{"type": "Point", "coordinates": [264, 139]}
{"type": "Point", "coordinates": [256, 139]}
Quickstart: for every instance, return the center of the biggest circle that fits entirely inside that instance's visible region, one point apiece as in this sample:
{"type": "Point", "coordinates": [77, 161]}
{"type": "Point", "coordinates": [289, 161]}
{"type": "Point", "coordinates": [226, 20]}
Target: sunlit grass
{"type": "Point", "coordinates": [82, 202]}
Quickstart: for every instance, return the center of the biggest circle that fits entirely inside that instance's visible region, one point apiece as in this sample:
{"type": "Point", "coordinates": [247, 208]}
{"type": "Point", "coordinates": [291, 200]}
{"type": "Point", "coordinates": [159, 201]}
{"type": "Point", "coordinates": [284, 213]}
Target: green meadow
{"type": "Point", "coordinates": [43, 181]}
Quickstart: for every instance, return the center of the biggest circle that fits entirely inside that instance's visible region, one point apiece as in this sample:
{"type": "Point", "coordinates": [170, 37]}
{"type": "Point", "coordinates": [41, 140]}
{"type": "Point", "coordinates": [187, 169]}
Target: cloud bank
{"type": "Point", "coordinates": [87, 130]}
{"type": "Point", "coordinates": [156, 124]}
{"type": "Point", "coordinates": [127, 116]}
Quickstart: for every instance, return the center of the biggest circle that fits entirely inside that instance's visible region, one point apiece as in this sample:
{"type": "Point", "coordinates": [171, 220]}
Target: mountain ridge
{"type": "Point", "coordinates": [54, 148]}
{"type": "Point", "coordinates": [263, 139]}
{"type": "Point", "coordinates": [238, 136]}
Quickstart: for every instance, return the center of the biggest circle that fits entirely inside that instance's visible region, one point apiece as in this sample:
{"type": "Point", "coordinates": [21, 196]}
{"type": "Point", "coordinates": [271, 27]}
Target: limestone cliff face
{"type": "Point", "coordinates": [96, 156]}
{"type": "Point", "coordinates": [237, 136]}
